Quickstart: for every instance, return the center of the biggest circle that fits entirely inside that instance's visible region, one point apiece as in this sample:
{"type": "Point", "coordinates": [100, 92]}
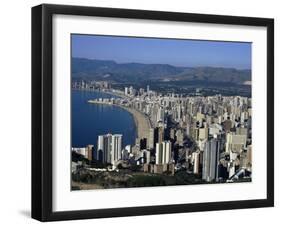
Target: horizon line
{"type": "Point", "coordinates": [133, 62]}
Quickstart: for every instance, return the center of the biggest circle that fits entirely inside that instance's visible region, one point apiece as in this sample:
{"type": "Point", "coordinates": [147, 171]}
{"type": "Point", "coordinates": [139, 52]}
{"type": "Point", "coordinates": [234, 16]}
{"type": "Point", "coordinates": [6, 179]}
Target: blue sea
{"type": "Point", "coordinates": [91, 120]}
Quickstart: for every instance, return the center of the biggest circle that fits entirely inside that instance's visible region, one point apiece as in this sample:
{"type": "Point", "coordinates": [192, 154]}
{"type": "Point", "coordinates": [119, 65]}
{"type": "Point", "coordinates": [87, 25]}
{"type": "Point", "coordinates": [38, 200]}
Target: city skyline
{"type": "Point", "coordinates": [190, 139]}
{"type": "Point", "coordinates": [150, 124]}
{"type": "Point", "coordinates": [176, 52]}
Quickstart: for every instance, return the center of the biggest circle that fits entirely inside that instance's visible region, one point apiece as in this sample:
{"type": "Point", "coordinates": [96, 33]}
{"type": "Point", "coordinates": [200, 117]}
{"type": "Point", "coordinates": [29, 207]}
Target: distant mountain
{"type": "Point", "coordinates": [216, 74]}
{"type": "Point", "coordinates": [126, 72]}
{"type": "Point", "coordinates": [138, 72]}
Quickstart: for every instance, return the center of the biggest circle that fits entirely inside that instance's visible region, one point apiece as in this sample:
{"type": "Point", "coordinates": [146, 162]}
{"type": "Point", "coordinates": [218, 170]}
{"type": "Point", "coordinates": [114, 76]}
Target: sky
{"type": "Point", "coordinates": [187, 53]}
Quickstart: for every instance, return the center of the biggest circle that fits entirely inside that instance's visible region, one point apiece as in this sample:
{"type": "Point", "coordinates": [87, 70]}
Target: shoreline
{"type": "Point", "coordinates": [101, 91]}
{"type": "Point", "coordinates": [141, 121]}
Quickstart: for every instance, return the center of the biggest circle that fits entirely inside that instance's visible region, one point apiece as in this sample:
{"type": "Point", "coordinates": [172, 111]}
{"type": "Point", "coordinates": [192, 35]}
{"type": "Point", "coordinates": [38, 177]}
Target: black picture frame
{"type": "Point", "coordinates": [42, 111]}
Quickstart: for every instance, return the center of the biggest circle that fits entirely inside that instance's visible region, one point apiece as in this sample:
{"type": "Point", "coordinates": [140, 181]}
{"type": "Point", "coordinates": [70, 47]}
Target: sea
{"type": "Point", "coordinates": [88, 121]}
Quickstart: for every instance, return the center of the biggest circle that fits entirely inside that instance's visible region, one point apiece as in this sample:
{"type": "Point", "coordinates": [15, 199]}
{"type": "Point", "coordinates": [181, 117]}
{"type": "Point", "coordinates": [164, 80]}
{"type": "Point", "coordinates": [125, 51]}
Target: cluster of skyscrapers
{"type": "Point", "coordinates": [209, 136]}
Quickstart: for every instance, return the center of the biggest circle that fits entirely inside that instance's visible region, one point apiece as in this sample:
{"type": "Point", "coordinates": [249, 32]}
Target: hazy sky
{"type": "Point", "coordinates": [163, 51]}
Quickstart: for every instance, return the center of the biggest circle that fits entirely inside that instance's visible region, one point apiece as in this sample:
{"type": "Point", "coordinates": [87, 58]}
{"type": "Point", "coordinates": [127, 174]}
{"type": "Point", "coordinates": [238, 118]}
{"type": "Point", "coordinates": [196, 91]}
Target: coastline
{"type": "Point", "coordinates": [117, 94]}
{"type": "Point", "coordinates": [141, 121]}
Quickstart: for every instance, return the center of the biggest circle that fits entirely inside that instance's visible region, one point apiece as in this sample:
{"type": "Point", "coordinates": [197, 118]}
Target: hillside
{"type": "Point", "coordinates": [138, 72]}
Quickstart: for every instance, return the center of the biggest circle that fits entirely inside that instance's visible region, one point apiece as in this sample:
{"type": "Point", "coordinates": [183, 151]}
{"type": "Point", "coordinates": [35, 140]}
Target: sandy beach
{"type": "Point", "coordinates": [141, 120]}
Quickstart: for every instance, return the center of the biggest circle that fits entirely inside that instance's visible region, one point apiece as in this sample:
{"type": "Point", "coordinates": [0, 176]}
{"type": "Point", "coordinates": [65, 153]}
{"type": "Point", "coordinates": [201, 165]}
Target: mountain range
{"type": "Point", "coordinates": [139, 72]}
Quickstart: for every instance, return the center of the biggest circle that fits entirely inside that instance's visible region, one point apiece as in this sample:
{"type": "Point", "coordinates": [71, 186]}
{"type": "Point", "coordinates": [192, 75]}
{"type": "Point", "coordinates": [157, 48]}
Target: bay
{"type": "Point", "coordinates": [88, 121]}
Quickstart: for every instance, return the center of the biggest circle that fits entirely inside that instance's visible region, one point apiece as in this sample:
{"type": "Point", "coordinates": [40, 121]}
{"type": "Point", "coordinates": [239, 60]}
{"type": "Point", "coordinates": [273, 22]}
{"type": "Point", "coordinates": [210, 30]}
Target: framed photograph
{"type": "Point", "coordinates": [145, 112]}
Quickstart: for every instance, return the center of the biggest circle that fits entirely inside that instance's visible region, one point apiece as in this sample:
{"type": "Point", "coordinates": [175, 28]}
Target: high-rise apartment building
{"type": "Point", "coordinates": [163, 152]}
{"type": "Point", "coordinates": [90, 150]}
{"type": "Point", "coordinates": [110, 146]}
{"type": "Point", "coordinates": [203, 133]}
{"type": "Point", "coordinates": [196, 161]}
{"type": "Point", "coordinates": [235, 142]}
{"type": "Point", "coordinates": [116, 148]}
{"type": "Point", "coordinates": [160, 114]}
{"type": "Point", "coordinates": [160, 134]}
{"type": "Point", "coordinates": [211, 160]}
